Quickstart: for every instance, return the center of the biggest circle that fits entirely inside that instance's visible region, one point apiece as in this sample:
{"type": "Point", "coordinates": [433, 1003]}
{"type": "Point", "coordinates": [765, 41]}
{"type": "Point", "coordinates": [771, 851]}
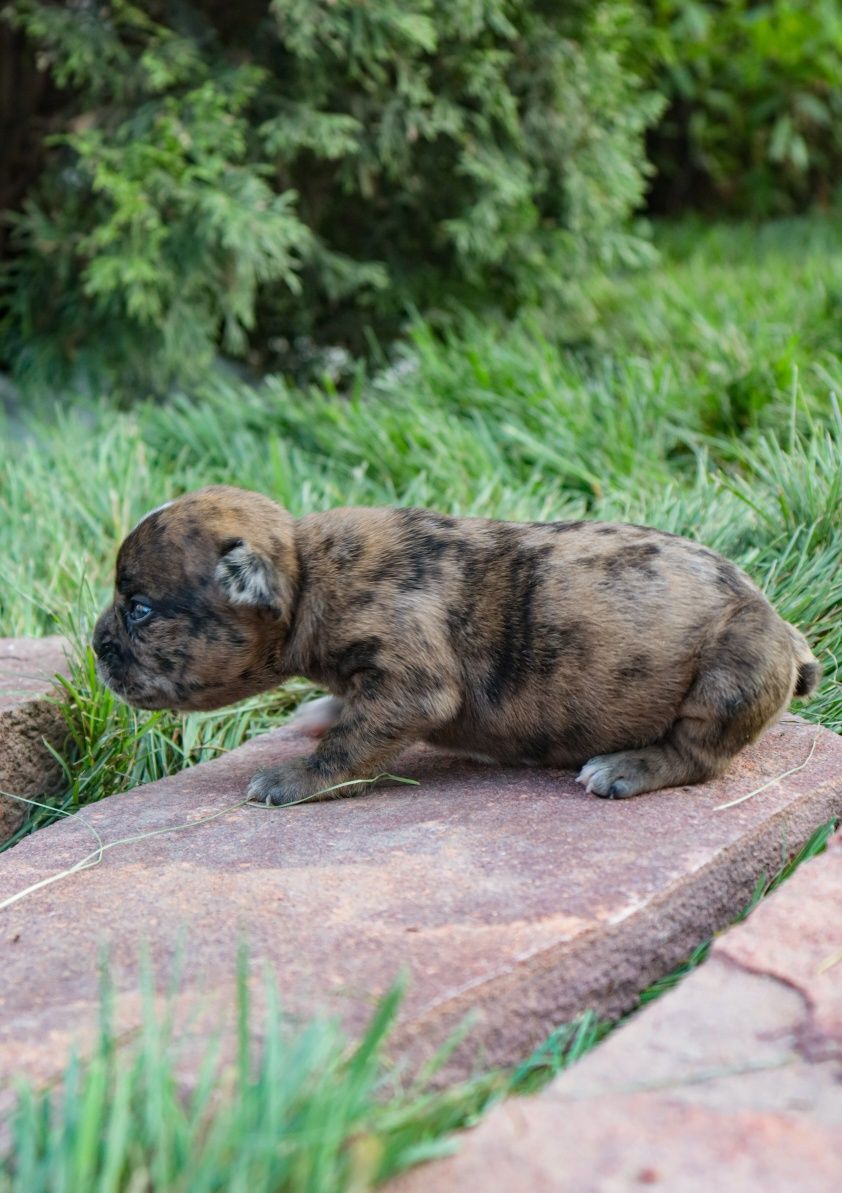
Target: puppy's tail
{"type": "Point", "coordinates": [809, 668]}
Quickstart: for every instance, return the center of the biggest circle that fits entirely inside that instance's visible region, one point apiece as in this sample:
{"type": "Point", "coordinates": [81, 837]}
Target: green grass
{"type": "Point", "coordinates": [294, 1111]}
{"type": "Point", "coordinates": [698, 396]}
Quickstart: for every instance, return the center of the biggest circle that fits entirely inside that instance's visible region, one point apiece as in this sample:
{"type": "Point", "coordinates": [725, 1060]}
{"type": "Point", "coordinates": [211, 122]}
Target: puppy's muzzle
{"type": "Point", "coordinates": [108, 654]}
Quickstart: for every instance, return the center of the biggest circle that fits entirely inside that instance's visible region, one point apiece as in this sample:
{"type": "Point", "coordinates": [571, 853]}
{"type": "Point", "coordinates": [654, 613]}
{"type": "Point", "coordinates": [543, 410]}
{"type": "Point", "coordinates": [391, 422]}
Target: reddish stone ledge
{"type": "Point", "coordinates": [27, 669]}
{"type": "Point", "coordinates": [507, 893]}
{"type": "Point", "coordinates": [733, 1081]}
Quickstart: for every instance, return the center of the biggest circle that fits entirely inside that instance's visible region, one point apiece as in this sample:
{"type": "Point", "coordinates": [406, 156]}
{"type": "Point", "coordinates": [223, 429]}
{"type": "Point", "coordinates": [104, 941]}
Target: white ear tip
{"type": "Point", "coordinates": [156, 510]}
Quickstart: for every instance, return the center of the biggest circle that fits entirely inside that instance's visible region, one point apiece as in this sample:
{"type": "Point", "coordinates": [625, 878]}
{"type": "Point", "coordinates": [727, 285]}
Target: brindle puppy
{"type": "Point", "coordinates": [646, 657]}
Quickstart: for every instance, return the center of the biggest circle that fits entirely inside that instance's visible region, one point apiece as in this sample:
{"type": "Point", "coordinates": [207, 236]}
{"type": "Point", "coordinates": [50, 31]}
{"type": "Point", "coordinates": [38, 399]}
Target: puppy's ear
{"type": "Point", "coordinates": [250, 578]}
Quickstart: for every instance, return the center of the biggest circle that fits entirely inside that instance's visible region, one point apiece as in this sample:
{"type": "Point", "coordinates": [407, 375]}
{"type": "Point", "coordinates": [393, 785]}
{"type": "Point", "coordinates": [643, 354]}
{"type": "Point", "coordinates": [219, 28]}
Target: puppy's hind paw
{"type": "Point", "coordinates": [615, 776]}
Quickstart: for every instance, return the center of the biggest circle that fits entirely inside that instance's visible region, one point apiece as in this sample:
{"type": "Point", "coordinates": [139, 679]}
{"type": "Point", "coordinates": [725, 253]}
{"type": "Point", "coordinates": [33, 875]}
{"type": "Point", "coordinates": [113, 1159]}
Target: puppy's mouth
{"type": "Point", "coordinates": [148, 699]}
{"type": "Point", "coordinates": [159, 699]}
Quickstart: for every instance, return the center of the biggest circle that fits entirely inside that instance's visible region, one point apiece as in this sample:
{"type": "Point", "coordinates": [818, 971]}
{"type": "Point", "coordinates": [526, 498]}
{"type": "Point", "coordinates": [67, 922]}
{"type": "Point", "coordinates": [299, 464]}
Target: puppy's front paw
{"type": "Point", "coordinates": [284, 784]}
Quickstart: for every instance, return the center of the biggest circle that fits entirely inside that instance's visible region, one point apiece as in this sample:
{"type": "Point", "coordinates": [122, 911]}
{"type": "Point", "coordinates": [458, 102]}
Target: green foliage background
{"type": "Point", "coordinates": [258, 179]}
{"type": "Point", "coordinates": [754, 119]}
{"type": "Point", "coordinates": [312, 167]}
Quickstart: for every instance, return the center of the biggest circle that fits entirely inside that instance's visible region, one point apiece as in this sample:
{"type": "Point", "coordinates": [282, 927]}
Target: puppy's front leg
{"type": "Point", "coordinates": [368, 734]}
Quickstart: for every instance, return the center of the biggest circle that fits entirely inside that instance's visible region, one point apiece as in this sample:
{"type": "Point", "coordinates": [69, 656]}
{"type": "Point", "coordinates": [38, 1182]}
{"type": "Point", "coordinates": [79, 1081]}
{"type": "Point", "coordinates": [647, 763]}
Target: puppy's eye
{"type": "Point", "coordinates": [139, 610]}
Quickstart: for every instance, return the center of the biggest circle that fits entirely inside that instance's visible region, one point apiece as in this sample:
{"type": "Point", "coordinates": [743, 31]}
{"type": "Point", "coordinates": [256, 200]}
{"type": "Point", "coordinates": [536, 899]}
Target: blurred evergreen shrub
{"type": "Point", "coordinates": [754, 122]}
{"type": "Point", "coordinates": [237, 175]}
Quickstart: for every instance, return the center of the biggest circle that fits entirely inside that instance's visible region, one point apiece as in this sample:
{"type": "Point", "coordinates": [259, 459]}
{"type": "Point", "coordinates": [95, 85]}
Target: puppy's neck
{"type": "Point", "coordinates": [332, 551]}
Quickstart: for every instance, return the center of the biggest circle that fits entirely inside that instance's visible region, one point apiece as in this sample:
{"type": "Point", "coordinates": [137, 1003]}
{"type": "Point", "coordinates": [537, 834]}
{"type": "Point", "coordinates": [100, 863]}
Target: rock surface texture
{"type": "Point", "coordinates": [510, 894]}
{"type": "Point", "coordinates": [27, 668]}
{"type": "Point", "coordinates": [733, 1081]}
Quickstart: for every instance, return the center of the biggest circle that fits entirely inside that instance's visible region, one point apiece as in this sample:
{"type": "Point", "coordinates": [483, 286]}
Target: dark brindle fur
{"type": "Point", "coordinates": [553, 643]}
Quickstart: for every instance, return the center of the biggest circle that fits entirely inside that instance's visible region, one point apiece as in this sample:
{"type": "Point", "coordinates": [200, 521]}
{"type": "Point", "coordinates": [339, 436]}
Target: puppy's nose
{"type": "Point", "coordinates": [106, 652]}
{"type": "Point", "coordinates": [104, 647]}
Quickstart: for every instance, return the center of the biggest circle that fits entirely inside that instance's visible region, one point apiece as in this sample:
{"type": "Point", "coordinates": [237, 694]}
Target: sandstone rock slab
{"type": "Point", "coordinates": [506, 893]}
{"type": "Point", "coordinates": [732, 1081]}
{"type": "Point", "coordinates": [27, 718]}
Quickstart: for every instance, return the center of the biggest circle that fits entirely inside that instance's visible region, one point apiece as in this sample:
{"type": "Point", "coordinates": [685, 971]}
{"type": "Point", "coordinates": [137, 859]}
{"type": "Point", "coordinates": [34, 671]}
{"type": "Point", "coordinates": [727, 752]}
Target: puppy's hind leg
{"type": "Point", "coordinates": [746, 678]}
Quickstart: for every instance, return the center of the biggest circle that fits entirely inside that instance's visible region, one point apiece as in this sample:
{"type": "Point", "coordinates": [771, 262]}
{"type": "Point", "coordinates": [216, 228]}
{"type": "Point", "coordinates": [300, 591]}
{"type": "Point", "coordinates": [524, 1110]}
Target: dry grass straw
{"type": "Point", "coordinates": [829, 962]}
{"type": "Point", "coordinates": [770, 782]}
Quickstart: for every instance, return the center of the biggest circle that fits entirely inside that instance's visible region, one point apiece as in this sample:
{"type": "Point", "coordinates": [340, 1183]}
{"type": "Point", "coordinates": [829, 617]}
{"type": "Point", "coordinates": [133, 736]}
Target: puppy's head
{"type": "Point", "coordinates": [204, 597]}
